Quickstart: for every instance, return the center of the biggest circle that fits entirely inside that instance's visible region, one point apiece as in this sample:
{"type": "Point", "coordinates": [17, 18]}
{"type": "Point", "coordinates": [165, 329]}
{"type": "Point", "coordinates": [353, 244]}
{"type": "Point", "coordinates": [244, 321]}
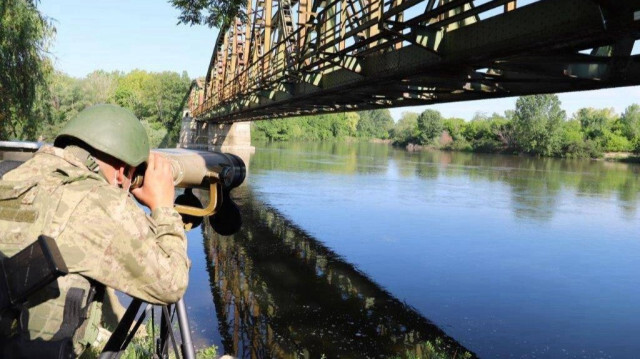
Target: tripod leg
{"type": "Point", "coordinates": [114, 346]}
{"type": "Point", "coordinates": [174, 343]}
{"type": "Point", "coordinates": [165, 325]}
{"type": "Point", "coordinates": [183, 321]}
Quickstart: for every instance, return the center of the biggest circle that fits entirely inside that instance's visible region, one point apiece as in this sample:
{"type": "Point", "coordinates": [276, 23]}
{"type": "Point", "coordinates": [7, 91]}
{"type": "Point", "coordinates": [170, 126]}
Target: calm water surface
{"type": "Point", "coordinates": [360, 250]}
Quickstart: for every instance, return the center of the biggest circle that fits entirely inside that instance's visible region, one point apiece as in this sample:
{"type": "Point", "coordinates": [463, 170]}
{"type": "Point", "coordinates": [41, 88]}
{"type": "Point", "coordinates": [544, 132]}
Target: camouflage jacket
{"type": "Point", "coordinates": [102, 234]}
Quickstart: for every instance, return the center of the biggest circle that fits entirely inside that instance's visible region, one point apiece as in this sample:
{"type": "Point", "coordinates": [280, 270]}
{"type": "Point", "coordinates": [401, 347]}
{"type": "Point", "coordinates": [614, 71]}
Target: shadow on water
{"type": "Point", "coordinates": [280, 293]}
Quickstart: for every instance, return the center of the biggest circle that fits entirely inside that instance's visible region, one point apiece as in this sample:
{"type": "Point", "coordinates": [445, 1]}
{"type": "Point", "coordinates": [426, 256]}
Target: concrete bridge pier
{"type": "Point", "coordinates": [222, 137]}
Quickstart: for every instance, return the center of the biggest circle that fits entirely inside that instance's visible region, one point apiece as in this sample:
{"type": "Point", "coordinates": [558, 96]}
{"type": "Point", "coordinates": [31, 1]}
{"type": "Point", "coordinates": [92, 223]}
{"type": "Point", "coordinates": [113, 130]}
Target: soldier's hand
{"type": "Point", "coordinates": [157, 189]}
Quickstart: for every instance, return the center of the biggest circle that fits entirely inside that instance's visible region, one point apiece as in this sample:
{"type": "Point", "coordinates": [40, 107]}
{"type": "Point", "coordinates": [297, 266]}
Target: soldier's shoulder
{"type": "Point", "coordinates": [37, 166]}
{"type": "Point", "coordinates": [113, 198]}
{"type": "Point", "coordinates": [102, 191]}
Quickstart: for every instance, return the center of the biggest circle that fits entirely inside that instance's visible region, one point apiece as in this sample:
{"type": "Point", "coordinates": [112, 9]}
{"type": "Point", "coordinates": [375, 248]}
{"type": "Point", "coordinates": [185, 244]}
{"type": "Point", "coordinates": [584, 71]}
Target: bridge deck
{"type": "Point", "coordinates": [296, 58]}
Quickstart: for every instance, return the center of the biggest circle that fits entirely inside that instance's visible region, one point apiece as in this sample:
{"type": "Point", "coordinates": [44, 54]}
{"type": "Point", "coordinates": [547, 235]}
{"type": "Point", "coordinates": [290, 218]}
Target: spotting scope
{"type": "Point", "coordinates": [214, 171]}
{"type": "Point", "coordinates": [199, 169]}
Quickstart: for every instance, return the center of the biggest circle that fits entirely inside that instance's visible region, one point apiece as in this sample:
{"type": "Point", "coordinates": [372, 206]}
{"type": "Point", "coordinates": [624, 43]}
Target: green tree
{"type": "Point", "coordinates": [615, 142]}
{"type": "Point", "coordinates": [374, 124]}
{"type": "Point", "coordinates": [405, 131]}
{"type": "Point", "coordinates": [157, 134]}
{"type": "Point", "coordinates": [275, 130]}
{"type": "Point", "coordinates": [352, 119]}
{"type": "Point", "coordinates": [630, 122]}
{"type": "Point", "coordinates": [155, 98]}
{"type": "Point", "coordinates": [99, 86]}
{"type": "Point", "coordinates": [429, 126]}
{"type": "Point", "coordinates": [605, 129]}
{"type": "Point", "coordinates": [213, 13]}
{"type": "Point", "coordinates": [574, 145]}
{"type": "Point", "coordinates": [25, 36]}
{"type": "Point", "coordinates": [503, 131]}
{"type": "Point", "coordinates": [455, 127]}
{"type": "Point", "coordinates": [489, 134]}
{"type": "Point", "coordinates": [537, 124]}
{"type": "Point", "coordinates": [130, 92]}
{"type": "Point", "coordinates": [595, 122]}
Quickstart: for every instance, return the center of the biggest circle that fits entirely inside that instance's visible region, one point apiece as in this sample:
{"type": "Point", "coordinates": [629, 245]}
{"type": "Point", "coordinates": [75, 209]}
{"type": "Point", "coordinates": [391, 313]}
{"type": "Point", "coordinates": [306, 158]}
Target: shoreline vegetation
{"type": "Point", "coordinates": [536, 127]}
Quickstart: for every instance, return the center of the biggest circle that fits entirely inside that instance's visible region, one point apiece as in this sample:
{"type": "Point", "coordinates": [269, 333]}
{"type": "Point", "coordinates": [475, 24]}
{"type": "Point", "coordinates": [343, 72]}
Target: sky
{"type": "Point", "coordinates": [143, 34]}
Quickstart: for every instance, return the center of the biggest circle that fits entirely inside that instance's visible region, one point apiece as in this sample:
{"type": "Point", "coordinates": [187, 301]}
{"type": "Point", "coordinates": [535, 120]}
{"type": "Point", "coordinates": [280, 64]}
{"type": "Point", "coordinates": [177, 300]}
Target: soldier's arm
{"type": "Point", "coordinates": [110, 239]}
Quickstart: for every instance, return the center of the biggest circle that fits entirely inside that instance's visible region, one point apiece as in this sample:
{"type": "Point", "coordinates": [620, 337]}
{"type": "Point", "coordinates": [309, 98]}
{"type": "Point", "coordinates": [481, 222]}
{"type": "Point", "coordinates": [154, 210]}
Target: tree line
{"type": "Point", "coordinates": [36, 100]}
{"type": "Point", "coordinates": [363, 124]}
{"type": "Point", "coordinates": [156, 98]}
{"type": "Point", "coordinates": [537, 126]}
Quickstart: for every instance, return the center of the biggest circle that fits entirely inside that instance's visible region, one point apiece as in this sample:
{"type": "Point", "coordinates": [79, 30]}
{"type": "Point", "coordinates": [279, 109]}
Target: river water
{"type": "Point", "coordinates": [361, 250]}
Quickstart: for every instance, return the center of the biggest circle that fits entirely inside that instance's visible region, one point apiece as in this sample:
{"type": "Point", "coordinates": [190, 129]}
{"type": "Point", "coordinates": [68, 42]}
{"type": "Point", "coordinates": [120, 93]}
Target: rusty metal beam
{"type": "Point", "coordinates": [344, 55]}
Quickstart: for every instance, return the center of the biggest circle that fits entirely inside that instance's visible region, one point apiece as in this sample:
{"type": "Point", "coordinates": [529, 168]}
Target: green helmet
{"type": "Point", "coordinates": [109, 129]}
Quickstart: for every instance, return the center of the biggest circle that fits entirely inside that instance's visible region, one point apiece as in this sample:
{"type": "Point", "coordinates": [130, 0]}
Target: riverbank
{"type": "Point", "coordinates": [624, 157]}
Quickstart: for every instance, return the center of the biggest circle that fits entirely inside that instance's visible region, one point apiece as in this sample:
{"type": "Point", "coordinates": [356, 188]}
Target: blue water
{"type": "Point", "coordinates": [513, 257]}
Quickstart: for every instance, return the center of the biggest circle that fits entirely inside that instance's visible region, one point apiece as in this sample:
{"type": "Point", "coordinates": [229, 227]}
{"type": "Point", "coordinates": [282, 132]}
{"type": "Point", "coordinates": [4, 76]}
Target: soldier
{"type": "Point", "coordinates": [78, 193]}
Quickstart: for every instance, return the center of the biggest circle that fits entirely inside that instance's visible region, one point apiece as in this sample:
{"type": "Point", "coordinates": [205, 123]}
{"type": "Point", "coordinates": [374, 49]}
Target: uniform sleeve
{"type": "Point", "coordinates": [110, 239]}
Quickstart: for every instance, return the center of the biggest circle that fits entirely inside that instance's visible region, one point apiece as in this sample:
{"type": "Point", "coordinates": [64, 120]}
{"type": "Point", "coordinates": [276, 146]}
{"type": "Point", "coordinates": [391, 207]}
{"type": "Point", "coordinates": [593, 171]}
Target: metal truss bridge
{"type": "Point", "coordinates": [300, 57]}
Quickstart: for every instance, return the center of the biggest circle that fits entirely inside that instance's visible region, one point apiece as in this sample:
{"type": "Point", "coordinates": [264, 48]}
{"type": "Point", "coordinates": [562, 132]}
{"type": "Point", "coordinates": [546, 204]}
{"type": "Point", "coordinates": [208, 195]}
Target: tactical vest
{"type": "Point", "coordinates": [32, 203]}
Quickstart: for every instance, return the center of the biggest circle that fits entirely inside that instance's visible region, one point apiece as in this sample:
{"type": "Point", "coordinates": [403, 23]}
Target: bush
{"type": "Point", "coordinates": [614, 142]}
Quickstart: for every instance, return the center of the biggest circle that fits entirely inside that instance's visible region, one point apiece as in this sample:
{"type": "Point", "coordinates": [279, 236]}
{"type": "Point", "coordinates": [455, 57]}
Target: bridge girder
{"type": "Point", "coordinates": [290, 58]}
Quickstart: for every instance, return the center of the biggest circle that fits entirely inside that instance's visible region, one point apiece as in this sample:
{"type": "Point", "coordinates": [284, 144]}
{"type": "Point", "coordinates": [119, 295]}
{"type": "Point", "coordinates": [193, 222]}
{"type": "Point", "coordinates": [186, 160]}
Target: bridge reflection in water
{"type": "Point", "coordinates": [280, 293]}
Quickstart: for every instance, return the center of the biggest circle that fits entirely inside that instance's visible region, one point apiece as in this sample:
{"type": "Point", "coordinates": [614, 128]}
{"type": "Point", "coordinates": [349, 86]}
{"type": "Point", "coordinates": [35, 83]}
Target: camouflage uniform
{"type": "Point", "coordinates": [102, 234]}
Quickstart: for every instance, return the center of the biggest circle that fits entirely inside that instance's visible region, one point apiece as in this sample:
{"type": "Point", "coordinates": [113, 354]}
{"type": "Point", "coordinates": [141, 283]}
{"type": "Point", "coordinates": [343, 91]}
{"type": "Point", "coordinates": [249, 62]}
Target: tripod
{"type": "Point", "coordinates": [124, 332]}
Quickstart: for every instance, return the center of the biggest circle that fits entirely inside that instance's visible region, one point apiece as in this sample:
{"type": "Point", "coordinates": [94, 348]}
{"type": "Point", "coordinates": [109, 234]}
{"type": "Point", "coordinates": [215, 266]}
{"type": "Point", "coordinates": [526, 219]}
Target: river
{"type": "Point", "coordinates": [361, 250]}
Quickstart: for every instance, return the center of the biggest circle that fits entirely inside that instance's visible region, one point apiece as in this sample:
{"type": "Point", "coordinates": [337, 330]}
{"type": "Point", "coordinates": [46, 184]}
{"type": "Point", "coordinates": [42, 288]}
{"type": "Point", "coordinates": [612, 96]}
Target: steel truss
{"type": "Point", "coordinates": [300, 57]}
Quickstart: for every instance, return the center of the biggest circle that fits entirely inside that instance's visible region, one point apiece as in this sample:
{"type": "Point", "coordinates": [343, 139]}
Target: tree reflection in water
{"type": "Point", "coordinates": [280, 293]}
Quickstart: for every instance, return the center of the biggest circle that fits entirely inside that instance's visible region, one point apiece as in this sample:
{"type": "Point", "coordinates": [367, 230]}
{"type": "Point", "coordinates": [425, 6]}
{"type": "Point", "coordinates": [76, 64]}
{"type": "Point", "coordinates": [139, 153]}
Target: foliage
{"type": "Point", "coordinates": [142, 347]}
{"type": "Point", "coordinates": [537, 122]}
{"type": "Point", "coordinates": [208, 352]}
{"type": "Point", "coordinates": [574, 144]}
{"type": "Point", "coordinates": [536, 126]}
{"type": "Point", "coordinates": [595, 122]}
{"type": "Point", "coordinates": [374, 124]}
{"type": "Point", "coordinates": [630, 122]}
{"type": "Point", "coordinates": [615, 142]}
{"type": "Point", "coordinates": [213, 13]}
{"type": "Point", "coordinates": [155, 98]}
{"type": "Point", "coordinates": [405, 130]}
{"type": "Point", "coordinates": [454, 127]}
{"type": "Point", "coordinates": [25, 36]}
{"type": "Point", "coordinates": [156, 132]}
{"type": "Point", "coordinates": [36, 102]}
{"type": "Point", "coordinates": [485, 134]}
{"type": "Point", "coordinates": [429, 126]}
{"type": "Point", "coordinates": [325, 127]}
